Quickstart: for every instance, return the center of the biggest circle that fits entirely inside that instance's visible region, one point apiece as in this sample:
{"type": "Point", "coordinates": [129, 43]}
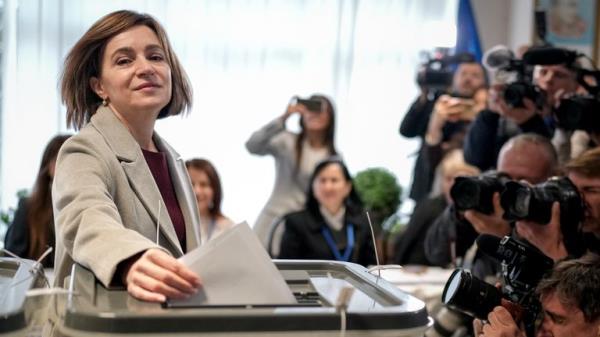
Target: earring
{"type": "Point", "coordinates": [104, 101]}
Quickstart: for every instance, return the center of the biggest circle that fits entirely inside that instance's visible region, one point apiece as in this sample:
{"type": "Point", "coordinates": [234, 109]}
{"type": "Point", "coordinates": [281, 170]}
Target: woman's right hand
{"type": "Point", "coordinates": [156, 275]}
{"type": "Point", "coordinates": [293, 108]}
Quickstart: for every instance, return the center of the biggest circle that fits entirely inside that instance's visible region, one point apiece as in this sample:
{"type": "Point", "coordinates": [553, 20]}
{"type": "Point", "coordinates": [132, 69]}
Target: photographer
{"type": "Point", "coordinates": [584, 172]}
{"type": "Point", "coordinates": [468, 78]}
{"type": "Point", "coordinates": [449, 241]}
{"type": "Point", "coordinates": [570, 298]}
{"type": "Point", "coordinates": [528, 157]}
{"type": "Point", "coordinates": [562, 237]}
{"type": "Point", "coordinates": [501, 121]}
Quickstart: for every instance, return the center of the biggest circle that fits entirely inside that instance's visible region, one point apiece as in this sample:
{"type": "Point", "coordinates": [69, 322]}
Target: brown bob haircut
{"type": "Point", "coordinates": [587, 164]}
{"type": "Point", "coordinates": [84, 61]}
{"type": "Point", "coordinates": [215, 183]}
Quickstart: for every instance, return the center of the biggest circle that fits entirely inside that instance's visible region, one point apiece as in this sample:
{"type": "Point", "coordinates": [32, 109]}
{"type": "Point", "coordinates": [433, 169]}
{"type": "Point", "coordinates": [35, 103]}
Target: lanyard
{"type": "Point", "coordinates": [331, 243]}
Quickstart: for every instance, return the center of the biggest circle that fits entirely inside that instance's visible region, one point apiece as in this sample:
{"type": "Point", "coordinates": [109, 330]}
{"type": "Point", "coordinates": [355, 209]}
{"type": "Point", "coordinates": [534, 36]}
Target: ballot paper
{"type": "Point", "coordinates": [235, 270]}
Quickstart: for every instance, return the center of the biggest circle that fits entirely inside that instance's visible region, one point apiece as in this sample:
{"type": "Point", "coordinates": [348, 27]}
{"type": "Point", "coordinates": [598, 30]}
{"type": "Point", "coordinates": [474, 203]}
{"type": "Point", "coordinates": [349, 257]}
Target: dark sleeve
{"type": "Point", "coordinates": [366, 255]}
{"type": "Point", "coordinates": [537, 125]}
{"type": "Point", "coordinates": [292, 246]}
{"type": "Point", "coordinates": [416, 119]}
{"type": "Point", "coordinates": [479, 147]}
{"type": "Point", "coordinates": [432, 156]}
{"type": "Point", "coordinates": [445, 229]}
{"type": "Point", "coordinates": [17, 236]}
{"type": "Point", "coordinates": [409, 246]}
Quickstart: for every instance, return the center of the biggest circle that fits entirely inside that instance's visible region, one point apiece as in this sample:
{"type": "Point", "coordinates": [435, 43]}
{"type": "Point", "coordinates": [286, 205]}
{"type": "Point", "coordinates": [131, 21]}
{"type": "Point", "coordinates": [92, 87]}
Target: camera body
{"type": "Point", "coordinates": [437, 72]}
{"type": "Point", "coordinates": [523, 266]}
{"type": "Point", "coordinates": [514, 93]}
{"type": "Point", "coordinates": [581, 112]}
{"type": "Point", "coordinates": [477, 192]}
{"type": "Point", "coordinates": [524, 202]}
{"type": "Point", "coordinates": [311, 104]}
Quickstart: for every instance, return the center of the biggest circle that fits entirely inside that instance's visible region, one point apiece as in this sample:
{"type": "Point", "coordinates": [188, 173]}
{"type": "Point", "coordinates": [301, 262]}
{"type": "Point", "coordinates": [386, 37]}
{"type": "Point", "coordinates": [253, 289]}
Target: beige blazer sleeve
{"type": "Point", "coordinates": [105, 201]}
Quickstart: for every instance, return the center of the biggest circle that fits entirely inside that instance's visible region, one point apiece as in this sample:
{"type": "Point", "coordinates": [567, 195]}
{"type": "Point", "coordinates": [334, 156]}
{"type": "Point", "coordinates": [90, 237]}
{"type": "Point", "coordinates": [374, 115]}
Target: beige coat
{"type": "Point", "coordinates": [106, 200]}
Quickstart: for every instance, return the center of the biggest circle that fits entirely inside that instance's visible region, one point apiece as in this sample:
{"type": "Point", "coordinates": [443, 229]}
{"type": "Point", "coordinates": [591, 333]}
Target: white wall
{"type": "Point", "coordinates": [507, 22]}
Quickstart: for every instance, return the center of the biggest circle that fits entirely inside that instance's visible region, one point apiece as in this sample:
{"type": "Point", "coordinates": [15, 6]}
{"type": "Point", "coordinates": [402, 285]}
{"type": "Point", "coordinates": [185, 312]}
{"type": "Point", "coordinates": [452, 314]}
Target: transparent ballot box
{"type": "Point", "coordinates": [375, 308]}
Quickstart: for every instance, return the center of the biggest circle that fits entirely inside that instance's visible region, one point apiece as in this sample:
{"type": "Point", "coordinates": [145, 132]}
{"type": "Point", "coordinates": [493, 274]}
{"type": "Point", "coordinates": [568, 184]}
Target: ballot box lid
{"type": "Point", "coordinates": [375, 305]}
{"type": "Point", "coordinates": [17, 276]}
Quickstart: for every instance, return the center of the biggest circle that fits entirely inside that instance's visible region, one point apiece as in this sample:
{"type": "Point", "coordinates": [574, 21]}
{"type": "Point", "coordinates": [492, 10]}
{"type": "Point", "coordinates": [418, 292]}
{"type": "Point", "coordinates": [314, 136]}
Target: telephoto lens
{"type": "Point", "coordinates": [477, 192]}
{"type": "Point", "coordinates": [468, 294]}
{"type": "Point", "coordinates": [579, 113]}
{"type": "Point", "coordinates": [524, 202]}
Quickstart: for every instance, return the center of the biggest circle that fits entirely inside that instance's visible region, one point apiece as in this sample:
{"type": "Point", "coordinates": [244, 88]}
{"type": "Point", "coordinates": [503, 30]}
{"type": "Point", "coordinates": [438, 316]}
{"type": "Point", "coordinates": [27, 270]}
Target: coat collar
{"type": "Point", "coordinates": [350, 216]}
{"type": "Point", "coordinates": [129, 153]}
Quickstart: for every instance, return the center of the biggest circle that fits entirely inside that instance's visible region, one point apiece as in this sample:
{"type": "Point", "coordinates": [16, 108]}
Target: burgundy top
{"type": "Point", "coordinates": [157, 162]}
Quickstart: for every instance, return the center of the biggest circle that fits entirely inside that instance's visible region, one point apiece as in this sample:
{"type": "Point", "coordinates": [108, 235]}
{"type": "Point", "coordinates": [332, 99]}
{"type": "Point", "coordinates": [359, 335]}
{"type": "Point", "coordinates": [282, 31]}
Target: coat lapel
{"type": "Point", "coordinates": [132, 160]}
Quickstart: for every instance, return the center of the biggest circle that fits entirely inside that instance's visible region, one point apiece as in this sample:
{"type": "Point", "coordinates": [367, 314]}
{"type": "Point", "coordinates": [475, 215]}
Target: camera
{"type": "Point", "coordinates": [516, 74]}
{"type": "Point", "coordinates": [438, 73]}
{"type": "Point", "coordinates": [523, 266]}
{"type": "Point", "coordinates": [311, 104]}
{"type": "Point", "coordinates": [581, 112]}
{"type": "Point", "coordinates": [477, 192]}
{"type": "Point", "coordinates": [524, 202]}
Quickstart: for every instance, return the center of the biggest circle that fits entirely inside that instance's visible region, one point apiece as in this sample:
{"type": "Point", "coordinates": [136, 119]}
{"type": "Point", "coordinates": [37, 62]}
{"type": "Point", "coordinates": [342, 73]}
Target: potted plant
{"type": "Point", "coordinates": [380, 193]}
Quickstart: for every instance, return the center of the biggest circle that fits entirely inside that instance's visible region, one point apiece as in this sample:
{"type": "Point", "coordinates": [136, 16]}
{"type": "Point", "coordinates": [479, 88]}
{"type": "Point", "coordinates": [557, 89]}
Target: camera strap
{"type": "Point", "coordinates": [333, 247]}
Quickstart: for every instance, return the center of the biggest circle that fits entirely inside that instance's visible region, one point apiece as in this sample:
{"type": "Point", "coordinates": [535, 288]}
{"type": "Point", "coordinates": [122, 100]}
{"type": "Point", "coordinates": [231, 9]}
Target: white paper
{"type": "Point", "coordinates": [236, 270]}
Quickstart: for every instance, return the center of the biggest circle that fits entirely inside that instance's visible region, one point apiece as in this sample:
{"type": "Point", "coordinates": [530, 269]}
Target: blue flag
{"type": "Point", "coordinates": [467, 38]}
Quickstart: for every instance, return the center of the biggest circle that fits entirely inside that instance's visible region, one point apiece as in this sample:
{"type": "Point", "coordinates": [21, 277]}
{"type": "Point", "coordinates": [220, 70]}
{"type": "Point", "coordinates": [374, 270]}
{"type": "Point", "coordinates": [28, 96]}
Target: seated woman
{"type": "Point", "coordinates": [333, 224]}
{"type": "Point", "coordinates": [207, 188]}
{"type": "Point", "coordinates": [32, 229]}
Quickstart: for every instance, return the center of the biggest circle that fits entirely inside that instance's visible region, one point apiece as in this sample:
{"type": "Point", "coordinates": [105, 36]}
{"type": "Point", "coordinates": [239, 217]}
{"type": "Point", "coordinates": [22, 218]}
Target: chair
{"type": "Point", "coordinates": [275, 234]}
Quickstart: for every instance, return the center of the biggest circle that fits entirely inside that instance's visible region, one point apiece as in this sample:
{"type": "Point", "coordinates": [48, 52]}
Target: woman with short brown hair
{"type": "Point", "coordinates": [124, 204]}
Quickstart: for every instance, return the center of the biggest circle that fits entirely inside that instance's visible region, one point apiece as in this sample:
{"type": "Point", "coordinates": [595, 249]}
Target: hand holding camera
{"type": "Point", "coordinates": [453, 109]}
{"type": "Point", "coordinates": [492, 224]}
{"type": "Point", "coordinates": [448, 109]}
{"type": "Point", "coordinates": [500, 324]}
{"type": "Point", "coordinates": [302, 106]}
{"type": "Point", "coordinates": [518, 114]}
{"type": "Point", "coordinates": [546, 237]}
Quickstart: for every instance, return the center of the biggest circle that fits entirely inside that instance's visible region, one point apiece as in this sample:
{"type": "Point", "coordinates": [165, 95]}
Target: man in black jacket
{"type": "Point", "coordinates": [468, 78]}
{"type": "Point", "coordinates": [497, 124]}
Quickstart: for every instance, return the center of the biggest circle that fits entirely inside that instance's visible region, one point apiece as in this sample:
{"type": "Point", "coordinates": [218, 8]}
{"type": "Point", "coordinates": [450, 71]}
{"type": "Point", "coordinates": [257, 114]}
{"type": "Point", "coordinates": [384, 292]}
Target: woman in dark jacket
{"type": "Point", "coordinates": [32, 229]}
{"type": "Point", "coordinates": [333, 225]}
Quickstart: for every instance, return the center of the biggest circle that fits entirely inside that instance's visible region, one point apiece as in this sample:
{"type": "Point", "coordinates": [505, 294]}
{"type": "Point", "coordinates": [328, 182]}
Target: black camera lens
{"type": "Point", "coordinates": [466, 193]}
{"type": "Point", "coordinates": [470, 295]}
{"type": "Point", "coordinates": [579, 113]}
{"type": "Point", "coordinates": [477, 192]}
{"type": "Point", "coordinates": [521, 205]}
{"type": "Point", "coordinates": [515, 92]}
{"type": "Point", "coordinates": [523, 202]}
